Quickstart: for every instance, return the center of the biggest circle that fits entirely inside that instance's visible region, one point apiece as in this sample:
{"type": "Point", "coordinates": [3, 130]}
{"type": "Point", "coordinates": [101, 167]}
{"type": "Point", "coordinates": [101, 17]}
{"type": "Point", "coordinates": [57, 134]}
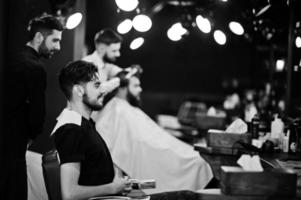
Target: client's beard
{"type": "Point", "coordinates": [134, 101]}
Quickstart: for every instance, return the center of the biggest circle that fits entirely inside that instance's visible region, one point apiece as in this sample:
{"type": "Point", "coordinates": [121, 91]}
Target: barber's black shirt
{"type": "Point", "coordinates": [24, 98]}
{"type": "Point", "coordinates": [25, 85]}
{"type": "Point", "coordinates": [83, 144]}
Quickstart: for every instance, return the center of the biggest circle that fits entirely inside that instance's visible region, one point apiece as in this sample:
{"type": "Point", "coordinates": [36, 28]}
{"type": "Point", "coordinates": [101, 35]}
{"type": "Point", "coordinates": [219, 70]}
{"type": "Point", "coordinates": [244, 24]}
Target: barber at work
{"type": "Point", "coordinates": [142, 149]}
{"type": "Point", "coordinates": [24, 99]}
{"type": "Point", "coordinates": [107, 50]}
{"type": "Point", "coordinates": [85, 161]}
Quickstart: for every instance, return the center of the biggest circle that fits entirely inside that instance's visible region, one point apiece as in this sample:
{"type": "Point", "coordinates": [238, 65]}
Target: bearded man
{"type": "Point", "coordinates": [24, 100]}
{"type": "Point", "coordinates": [144, 150]}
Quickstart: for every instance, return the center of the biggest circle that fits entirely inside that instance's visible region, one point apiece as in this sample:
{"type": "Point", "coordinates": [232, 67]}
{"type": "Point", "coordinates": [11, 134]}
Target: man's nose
{"type": "Point", "coordinates": [58, 46]}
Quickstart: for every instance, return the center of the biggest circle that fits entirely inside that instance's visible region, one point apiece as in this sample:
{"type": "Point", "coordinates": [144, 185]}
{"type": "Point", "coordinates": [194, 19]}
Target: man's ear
{"type": "Point", "coordinates": [101, 47]}
{"type": "Point", "coordinates": [39, 37]}
{"type": "Point", "coordinates": [79, 90]}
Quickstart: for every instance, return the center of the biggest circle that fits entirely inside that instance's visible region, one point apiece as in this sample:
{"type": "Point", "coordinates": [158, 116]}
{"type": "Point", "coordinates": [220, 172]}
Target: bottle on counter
{"type": "Point", "coordinates": [255, 127]}
{"type": "Point", "coordinates": [277, 127]}
{"type": "Point", "coordinates": [293, 139]}
{"type": "Point", "coordinates": [285, 141]}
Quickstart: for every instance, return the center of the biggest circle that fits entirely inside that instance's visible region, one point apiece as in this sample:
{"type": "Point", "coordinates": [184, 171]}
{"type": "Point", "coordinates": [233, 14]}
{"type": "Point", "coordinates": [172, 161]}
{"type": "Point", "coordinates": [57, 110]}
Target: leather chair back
{"type": "Point", "coordinates": [51, 173]}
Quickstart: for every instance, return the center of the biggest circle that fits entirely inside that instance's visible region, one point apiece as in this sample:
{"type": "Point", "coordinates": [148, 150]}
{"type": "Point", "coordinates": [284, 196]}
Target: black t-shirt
{"type": "Point", "coordinates": [83, 144]}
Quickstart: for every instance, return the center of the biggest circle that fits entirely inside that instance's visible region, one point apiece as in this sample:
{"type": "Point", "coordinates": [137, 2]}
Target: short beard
{"type": "Point", "coordinates": [44, 51]}
{"type": "Point", "coordinates": [108, 60]}
{"type": "Point", "coordinates": [134, 101]}
{"type": "Point", "coordinates": [93, 107]}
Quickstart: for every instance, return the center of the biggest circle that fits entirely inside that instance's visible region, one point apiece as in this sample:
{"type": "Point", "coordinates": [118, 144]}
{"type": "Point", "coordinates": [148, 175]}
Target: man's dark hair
{"type": "Point", "coordinates": [44, 24]}
{"type": "Point", "coordinates": [76, 73]}
{"type": "Point", "coordinates": [107, 36]}
{"type": "Point", "coordinates": [124, 82]}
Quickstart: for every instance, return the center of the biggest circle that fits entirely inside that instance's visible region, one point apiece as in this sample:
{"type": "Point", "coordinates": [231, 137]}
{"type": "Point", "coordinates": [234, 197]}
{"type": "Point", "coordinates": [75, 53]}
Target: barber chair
{"type": "Point", "coordinates": [51, 173]}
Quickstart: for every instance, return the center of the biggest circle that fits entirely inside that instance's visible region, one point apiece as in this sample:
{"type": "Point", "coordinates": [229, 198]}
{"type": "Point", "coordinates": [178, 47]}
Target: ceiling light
{"type": "Point", "coordinates": [280, 65]}
{"type": "Point", "coordinates": [236, 28]}
{"type": "Point", "coordinates": [127, 5]}
{"type": "Point", "coordinates": [298, 42]}
{"type": "Point", "coordinates": [74, 20]}
{"type": "Point", "coordinates": [176, 31]}
{"type": "Point", "coordinates": [203, 24]}
{"type": "Point", "coordinates": [142, 23]}
{"type": "Point", "coordinates": [220, 37]}
{"type": "Point", "coordinates": [263, 10]}
{"type": "Point", "coordinates": [136, 43]}
{"type": "Point", "coordinates": [125, 26]}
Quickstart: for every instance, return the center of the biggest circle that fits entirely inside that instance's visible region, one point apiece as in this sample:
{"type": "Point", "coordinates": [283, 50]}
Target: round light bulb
{"type": "Point", "coordinates": [142, 23]}
{"type": "Point", "coordinates": [127, 5]}
{"type": "Point", "coordinates": [125, 26]}
{"type": "Point", "coordinates": [74, 20]}
{"type": "Point", "coordinates": [219, 37]}
{"type": "Point", "coordinates": [236, 28]}
{"type": "Point", "coordinates": [136, 43]}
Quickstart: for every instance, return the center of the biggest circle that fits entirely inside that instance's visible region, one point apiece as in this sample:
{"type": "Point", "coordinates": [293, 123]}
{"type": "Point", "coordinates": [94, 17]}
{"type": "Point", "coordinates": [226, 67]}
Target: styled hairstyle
{"type": "Point", "coordinates": [107, 36]}
{"type": "Point", "coordinates": [124, 82]}
{"type": "Point", "coordinates": [76, 72]}
{"type": "Point", "coordinates": [44, 24]}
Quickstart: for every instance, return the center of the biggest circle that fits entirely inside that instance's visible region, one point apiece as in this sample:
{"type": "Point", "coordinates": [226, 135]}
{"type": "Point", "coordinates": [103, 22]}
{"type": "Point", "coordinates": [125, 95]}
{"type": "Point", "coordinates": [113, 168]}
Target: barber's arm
{"type": "Point", "coordinates": [71, 190]}
{"type": "Point", "coordinates": [114, 82]}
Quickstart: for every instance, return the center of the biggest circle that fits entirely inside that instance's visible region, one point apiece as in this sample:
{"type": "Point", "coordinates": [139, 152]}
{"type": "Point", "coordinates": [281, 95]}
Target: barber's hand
{"type": "Point", "coordinates": [132, 70]}
{"type": "Point", "coordinates": [122, 185]}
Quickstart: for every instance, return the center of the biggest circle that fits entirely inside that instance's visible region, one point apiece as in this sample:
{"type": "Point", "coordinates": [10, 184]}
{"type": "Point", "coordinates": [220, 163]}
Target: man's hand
{"type": "Point", "coordinates": [122, 185]}
{"type": "Point", "coordinates": [132, 70]}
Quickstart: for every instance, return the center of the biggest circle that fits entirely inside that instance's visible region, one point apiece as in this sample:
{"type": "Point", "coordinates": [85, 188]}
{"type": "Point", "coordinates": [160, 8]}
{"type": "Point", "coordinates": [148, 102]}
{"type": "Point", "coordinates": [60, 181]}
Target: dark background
{"type": "Point", "coordinates": [194, 68]}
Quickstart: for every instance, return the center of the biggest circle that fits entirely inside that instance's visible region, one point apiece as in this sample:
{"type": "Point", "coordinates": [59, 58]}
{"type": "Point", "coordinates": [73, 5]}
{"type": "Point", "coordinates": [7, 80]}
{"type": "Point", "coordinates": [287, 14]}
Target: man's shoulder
{"type": "Point", "coordinates": [90, 58]}
{"type": "Point", "coordinates": [26, 61]}
{"type": "Point", "coordinates": [68, 130]}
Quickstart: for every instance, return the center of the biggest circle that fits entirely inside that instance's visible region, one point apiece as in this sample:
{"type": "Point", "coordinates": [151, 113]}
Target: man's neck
{"type": "Point", "coordinates": [100, 54]}
{"type": "Point", "coordinates": [32, 45]}
{"type": "Point", "coordinates": [121, 94]}
{"type": "Point", "coordinates": [81, 109]}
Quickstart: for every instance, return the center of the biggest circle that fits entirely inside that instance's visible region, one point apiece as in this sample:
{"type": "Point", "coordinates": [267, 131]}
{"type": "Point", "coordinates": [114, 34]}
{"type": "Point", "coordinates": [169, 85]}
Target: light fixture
{"type": "Point", "coordinates": [203, 24]}
{"type": "Point", "coordinates": [263, 10]}
{"type": "Point", "coordinates": [219, 37]}
{"type": "Point", "coordinates": [125, 26]}
{"type": "Point", "coordinates": [142, 23]}
{"type": "Point", "coordinates": [73, 20]}
{"type": "Point", "coordinates": [236, 28]}
{"type": "Point", "coordinates": [176, 31]}
{"type": "Point", "coordinates": [280, 65]}
{"type": "Point", "coordinates": [136, 43]}
{"type": "Point", "coordinates": [298, 42]}
{"type": "Point", "coordinates": [127, 5]}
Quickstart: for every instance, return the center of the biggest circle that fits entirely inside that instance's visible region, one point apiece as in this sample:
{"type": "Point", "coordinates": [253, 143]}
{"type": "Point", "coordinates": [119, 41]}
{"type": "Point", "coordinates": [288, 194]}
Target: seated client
{"type": "Point", "coordinates": [142, 148]}
{"type": "Point", "coordinates": [85, 161]}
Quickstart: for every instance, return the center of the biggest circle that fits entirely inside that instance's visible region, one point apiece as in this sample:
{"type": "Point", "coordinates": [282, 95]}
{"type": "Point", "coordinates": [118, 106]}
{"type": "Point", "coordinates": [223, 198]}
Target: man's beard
{"type": "Point", "coordinates": [108, 59]}
{"type": "Point", "coordinates": [133, 100]}
{"type": "Point", "coordinates": [44, 51]}
{"type": "Point", "coordinates": [93, 106]}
